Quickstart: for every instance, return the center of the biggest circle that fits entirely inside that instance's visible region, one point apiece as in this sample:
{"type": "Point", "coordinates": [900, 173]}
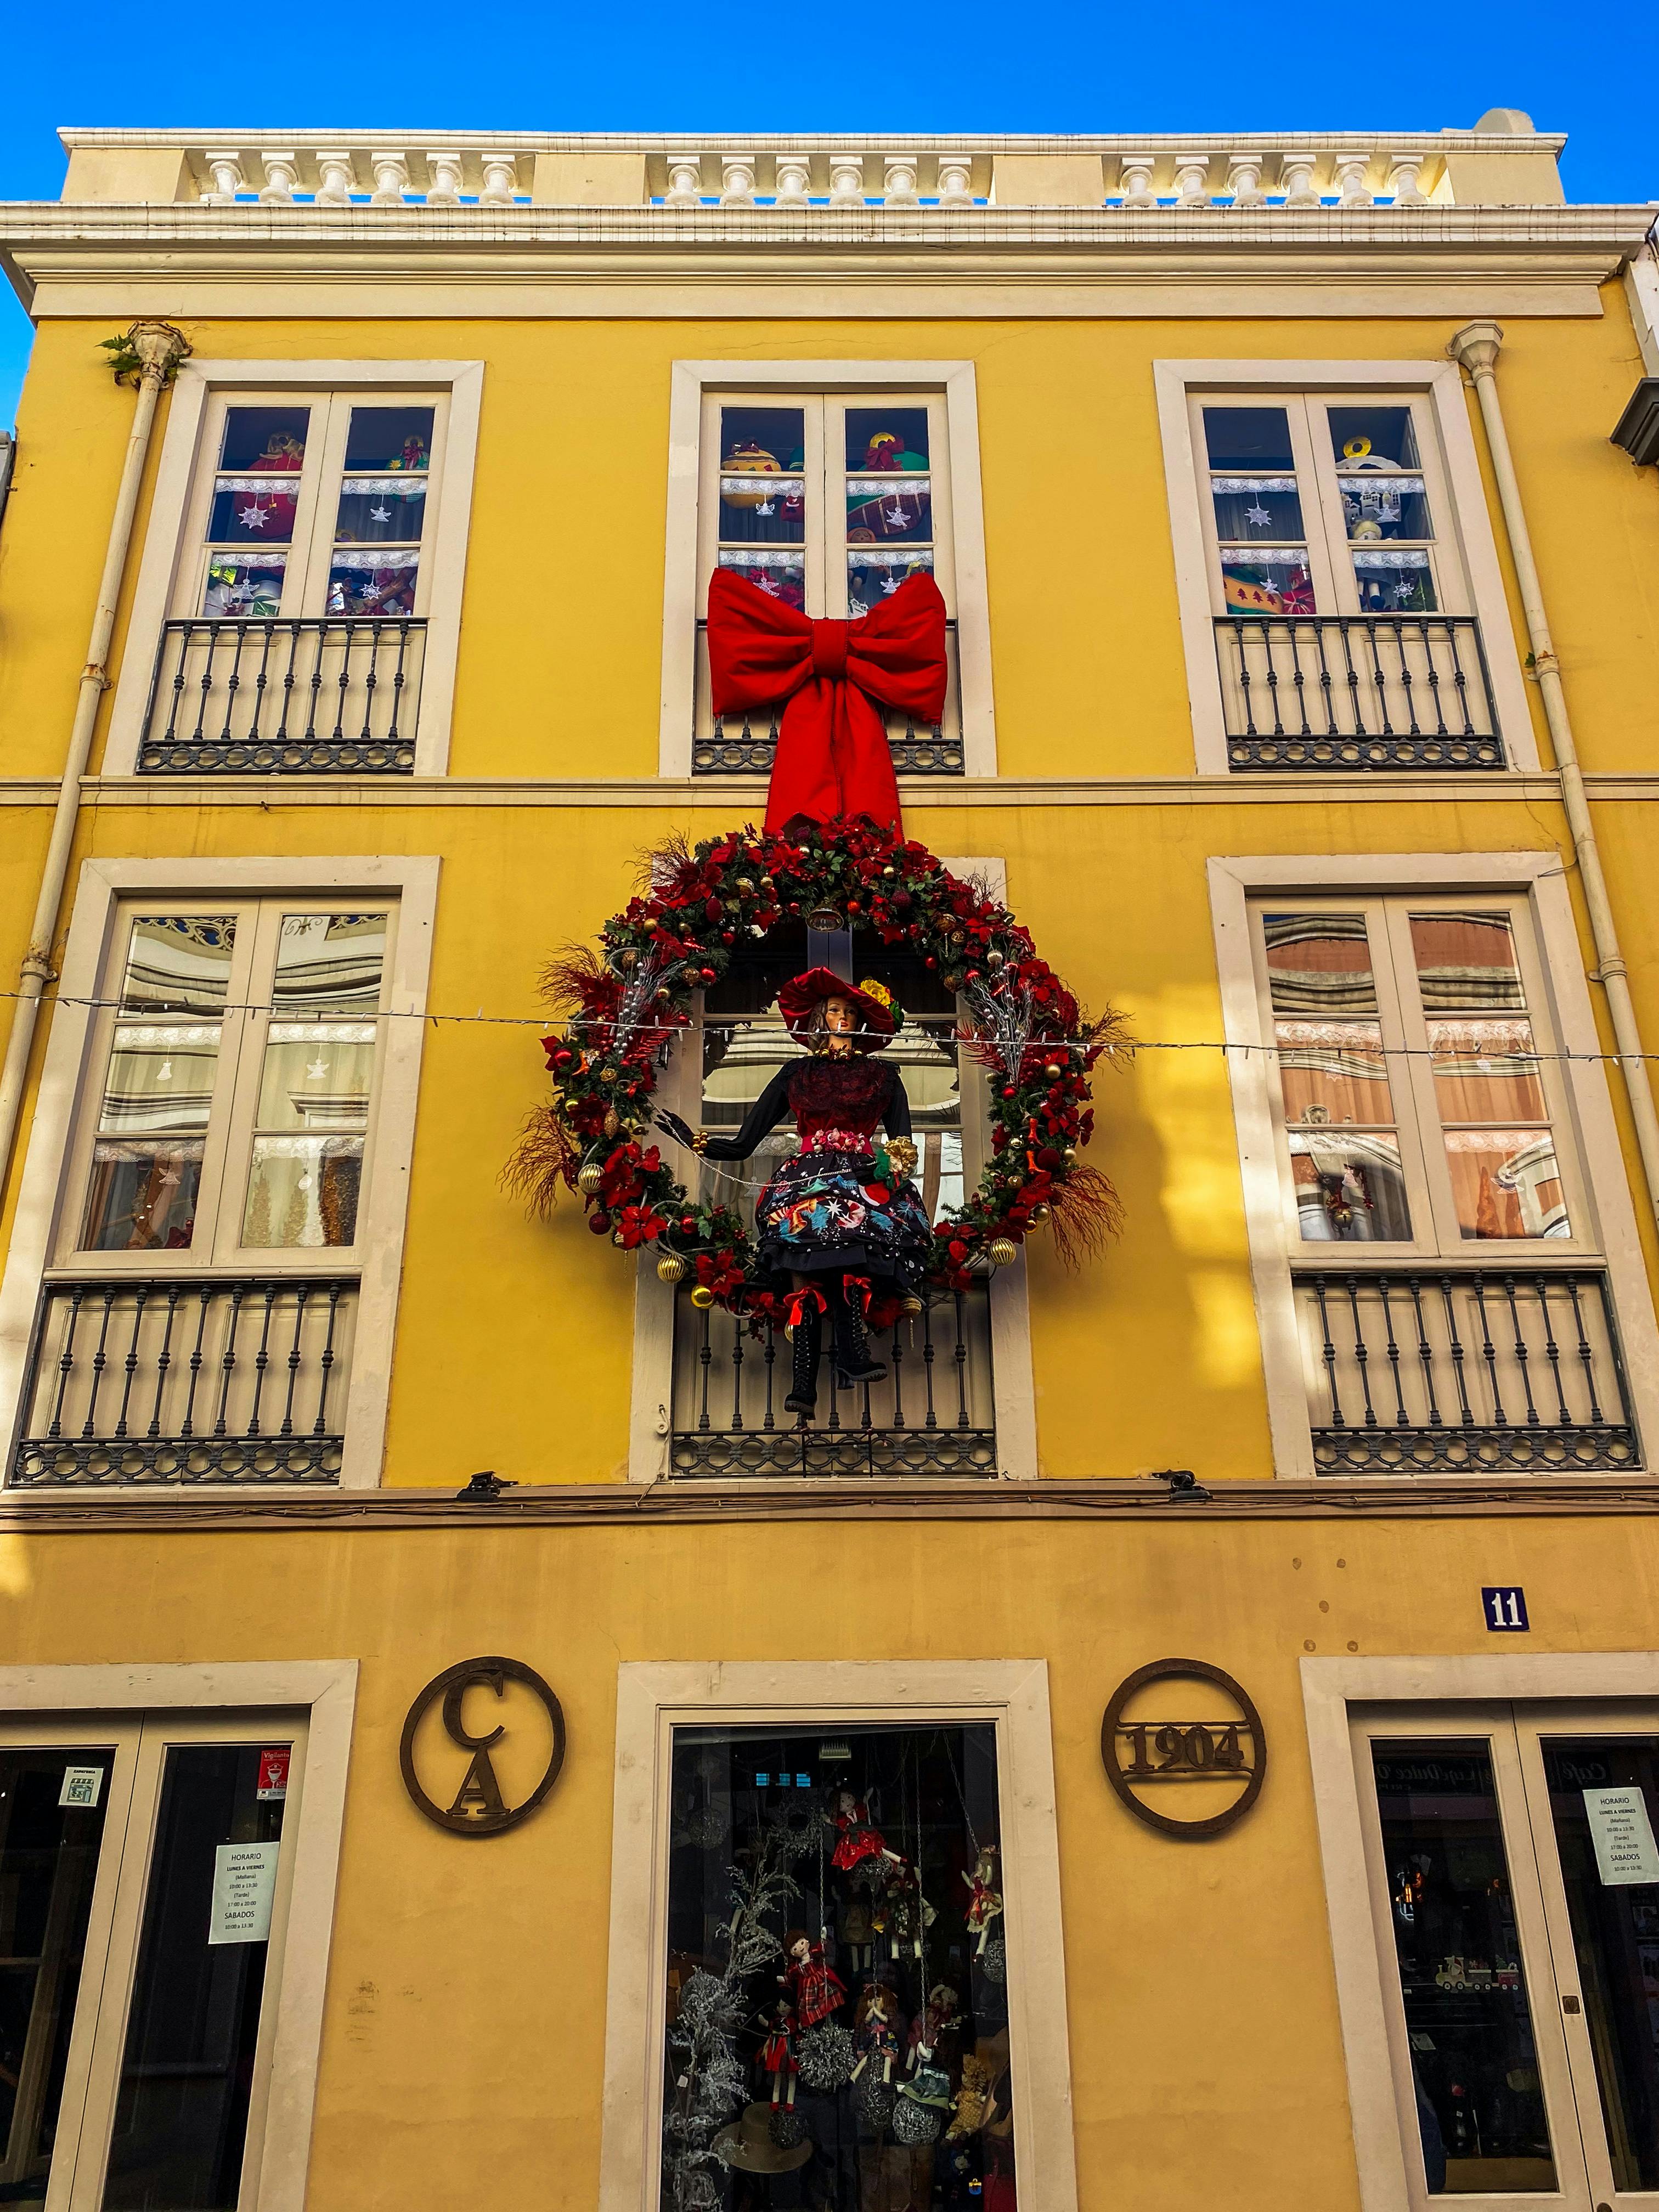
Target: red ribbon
{"type": "Point", "coordinates": [798, 1300]}
{"type": "Point", "coordinates": [860, 1283]}
{"type": "Point", "coordinates": [833, 758]}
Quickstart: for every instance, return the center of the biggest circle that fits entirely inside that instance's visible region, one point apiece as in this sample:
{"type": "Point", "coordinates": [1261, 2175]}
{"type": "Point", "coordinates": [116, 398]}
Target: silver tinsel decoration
{"type": "Point", "coordinates": [914, 2122]}
{"type": "Point", "coordinates": [876, 2099]}
{"type": "Point", "coordinates": [995, 1961]}
{"type": "Point", "coordinates": [827, 2055]}
{"type": "Point", "coordinates": [786, 2127]}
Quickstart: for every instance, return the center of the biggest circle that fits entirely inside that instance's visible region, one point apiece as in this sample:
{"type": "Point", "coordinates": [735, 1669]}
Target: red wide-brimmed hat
{"type": "Point", "coordinates": [871, 1004]}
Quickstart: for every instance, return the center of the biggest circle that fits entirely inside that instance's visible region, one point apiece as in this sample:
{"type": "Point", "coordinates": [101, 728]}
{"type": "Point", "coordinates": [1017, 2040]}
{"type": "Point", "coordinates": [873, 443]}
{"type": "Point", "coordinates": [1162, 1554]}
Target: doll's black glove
{"type": "Point", "coordinates": [680, 1132]}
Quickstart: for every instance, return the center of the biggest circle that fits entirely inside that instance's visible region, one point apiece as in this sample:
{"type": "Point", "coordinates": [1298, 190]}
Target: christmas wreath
{"type": "Point", "coordinates": [696, 907]}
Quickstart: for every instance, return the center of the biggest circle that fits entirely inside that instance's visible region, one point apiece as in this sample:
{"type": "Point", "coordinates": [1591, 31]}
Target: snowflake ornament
{"type": "Point", "coordinates": [253, 516]}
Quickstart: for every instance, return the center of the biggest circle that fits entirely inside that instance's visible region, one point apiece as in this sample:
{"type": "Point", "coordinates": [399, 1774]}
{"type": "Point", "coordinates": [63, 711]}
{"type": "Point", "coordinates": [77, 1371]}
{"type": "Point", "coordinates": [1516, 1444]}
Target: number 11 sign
{"type": "Point", "coordinates": [1505, 1609]}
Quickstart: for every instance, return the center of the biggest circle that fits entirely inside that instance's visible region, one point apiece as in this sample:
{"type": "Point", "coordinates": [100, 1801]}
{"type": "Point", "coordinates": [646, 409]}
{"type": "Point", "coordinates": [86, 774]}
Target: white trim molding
{"type": "Point", "coordinates": [65, 1075]}
{"type": "Point", "coordinates": [1540, 877]}
{"type": "Point", "coordinates": [1012, 1694]}
{"type": "Point", "coordinates": [177, 472]}
{"type": "Point", "coordinates": [1469, 524]}
{"type": "Point", "coordinates": [955, 379]}
{"type": "Point", "coordinates": [326, 1691]}
{"type": "Point", "coordinates": [1331, 1688]}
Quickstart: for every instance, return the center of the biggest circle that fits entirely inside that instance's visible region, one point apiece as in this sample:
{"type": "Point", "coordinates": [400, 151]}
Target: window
{"type": "Point", "coordinates": [836, 1977]}
{"type": "Point", "coordinates": [1324, 506]}
{"type": "Point", "coordinates": [1514, 1884]}
{"type": "Point", "coordinates": [240, 1056]}
{"type": "Point", "coordinates": [145, 1866]}
{"type": "Point", "coordinates": [313, 507]}
{"type": "Point", "coordinates": [1418, 1104]}
{"type": "Point", "coordinates": [828, 502]}
{"type": "Point", "coordinates": [1341, 604]}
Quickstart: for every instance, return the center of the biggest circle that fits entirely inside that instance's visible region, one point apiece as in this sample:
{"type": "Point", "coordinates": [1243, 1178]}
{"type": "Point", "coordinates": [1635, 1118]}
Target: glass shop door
{"type": "Point", "coordinates": [1514, 1880]}
{"type": "Point", "coordinates": [144, 1889]}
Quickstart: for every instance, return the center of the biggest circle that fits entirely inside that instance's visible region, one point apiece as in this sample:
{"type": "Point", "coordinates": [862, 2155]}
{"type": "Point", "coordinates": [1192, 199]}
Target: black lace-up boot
{"type": "Point", "coordinates": [803, 1391]}
{"type": "Point", "coordinates": [853, 1360]}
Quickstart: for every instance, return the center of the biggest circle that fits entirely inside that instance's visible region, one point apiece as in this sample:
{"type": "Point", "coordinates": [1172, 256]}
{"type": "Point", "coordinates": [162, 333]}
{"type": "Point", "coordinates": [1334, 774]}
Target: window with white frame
{"type": "Point", "coordinates": [231, 1117]}
{"type": "Point", "coordinates": [312, 505]}
{"type": "Point", "coordinates": [1324, 503]}
{"type": "Point", "coordinates": [826, 503]}
{"type": "Point", "coordinates": [1418, 1095]}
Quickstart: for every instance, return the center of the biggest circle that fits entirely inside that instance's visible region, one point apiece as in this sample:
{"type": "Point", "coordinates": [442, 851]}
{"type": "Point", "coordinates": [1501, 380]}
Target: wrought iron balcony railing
{"type": "Point", "coordinates": [1465, 1371]}
{"type": "Point", "coordinates": [279, 696]}
{"type": "Point", "coordinates": [745, 744]}
{"type": "Point", "coordinates": [1357, 692]}
{"type": "Point", "coordinates": [179, 1381]}
{"type": "Point", "coordinates": [932, 1414]}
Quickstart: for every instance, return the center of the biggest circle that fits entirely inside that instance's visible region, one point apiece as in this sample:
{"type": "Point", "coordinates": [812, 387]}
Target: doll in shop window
{"type": "Point", "coordinates": [840, 1221]}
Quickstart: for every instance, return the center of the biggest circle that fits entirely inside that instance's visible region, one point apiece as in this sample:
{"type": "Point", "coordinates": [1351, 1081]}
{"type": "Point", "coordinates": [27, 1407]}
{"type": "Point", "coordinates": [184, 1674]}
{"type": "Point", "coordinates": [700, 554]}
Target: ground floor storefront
{"type": "Point", "coordinates": [561, 1852]}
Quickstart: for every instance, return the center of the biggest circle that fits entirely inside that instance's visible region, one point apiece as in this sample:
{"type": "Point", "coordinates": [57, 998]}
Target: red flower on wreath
{"type": "Point", "coordinates": [637, 1225]}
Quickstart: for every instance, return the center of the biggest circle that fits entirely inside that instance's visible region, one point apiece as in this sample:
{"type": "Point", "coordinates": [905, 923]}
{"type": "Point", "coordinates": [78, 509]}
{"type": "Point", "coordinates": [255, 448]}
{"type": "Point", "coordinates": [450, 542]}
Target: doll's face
{"type": "Point", "coordinates": [800, 1950]}
{"type": "Point", "coordinates": [848, 1801]}
{"type": "Point", "coordinates": [838, 1018]}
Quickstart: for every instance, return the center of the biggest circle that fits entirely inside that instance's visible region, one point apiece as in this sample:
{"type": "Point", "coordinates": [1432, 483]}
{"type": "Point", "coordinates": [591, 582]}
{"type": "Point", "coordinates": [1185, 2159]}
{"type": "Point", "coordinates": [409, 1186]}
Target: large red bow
{"type": "Point", "coordinates": [836, 677]}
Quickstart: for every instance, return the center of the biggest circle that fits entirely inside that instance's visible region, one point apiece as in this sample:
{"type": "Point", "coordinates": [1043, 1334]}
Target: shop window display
{"type": "Point", "coordinates": [836, 2001]}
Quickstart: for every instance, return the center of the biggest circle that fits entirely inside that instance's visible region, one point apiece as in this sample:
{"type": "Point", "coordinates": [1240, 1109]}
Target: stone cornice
{"type": "Point", "coordinates": [704, 251]}
{"type": "Point", "coordinates": [611, 1504]}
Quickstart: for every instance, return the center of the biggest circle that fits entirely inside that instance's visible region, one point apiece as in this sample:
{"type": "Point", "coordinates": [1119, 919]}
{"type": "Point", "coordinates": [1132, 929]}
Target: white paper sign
{"type": "Point", "coordinates": [1626, 1852]}
{"type": "Point", "coordinates": [82, 1785]}
{"type": "Point", "coordinates": [244, 1883]}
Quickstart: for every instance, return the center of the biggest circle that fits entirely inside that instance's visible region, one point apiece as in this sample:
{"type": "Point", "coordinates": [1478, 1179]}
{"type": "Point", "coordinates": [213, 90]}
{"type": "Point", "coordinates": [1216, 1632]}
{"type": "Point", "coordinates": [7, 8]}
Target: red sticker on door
{"type": "Point", "coordinates": [273, 1771]}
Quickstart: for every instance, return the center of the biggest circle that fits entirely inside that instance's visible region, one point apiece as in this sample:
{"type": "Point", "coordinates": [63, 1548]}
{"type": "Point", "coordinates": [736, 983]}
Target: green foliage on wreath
{"type": "Point", "coordinates": [697, 904]}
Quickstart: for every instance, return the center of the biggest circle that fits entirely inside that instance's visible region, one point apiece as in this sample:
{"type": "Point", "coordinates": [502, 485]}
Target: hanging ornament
{"type": "Point", "coordinates": [984, 1897]}
{"type": "Point", "coordinates": [590, 1180]}
{"type": "Point", "coordinates": [914, 2123]}
{"type": "Point", "coordinates": [786, 2127]}
{"type": "Point", "coordinates": [164, 1072]}
{"type": "Point", "coordinates": [670, 1268]}
{"type": "Point", "coordinates": [827, 2056]}
{"type": "Point", "coordinates": [1257, 517]}
{"type": "Point", "coordinates": [877, 2100]}
{"type": "Point", "coordinates": [317, 1069]}
{"type": "Point", "coordinates": [994, 1960]}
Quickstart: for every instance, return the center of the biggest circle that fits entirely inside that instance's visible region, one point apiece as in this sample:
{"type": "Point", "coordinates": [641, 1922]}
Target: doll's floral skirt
{"type": "Point", "coordinates": [822, 1212]}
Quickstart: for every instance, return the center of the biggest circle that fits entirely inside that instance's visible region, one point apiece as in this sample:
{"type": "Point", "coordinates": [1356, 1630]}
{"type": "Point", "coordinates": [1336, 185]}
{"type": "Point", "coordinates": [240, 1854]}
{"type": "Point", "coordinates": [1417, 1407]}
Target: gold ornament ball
{"type": "Point", "coordinates": [610, 1124]}
{"type": "Point", "coordinates": [1040, 1213]}
{"type": "Point", "coordinates": [591, 1179]}
{"type": "Point", "coordinates": [702, 1297]}
{"type": "Point", "coordinates": [607, 1075]}
{"type": "Point", "coordinates": [670, 1268]}
{"type": "Point", "coordinates": [912, 1306]}
{"type": "Point", "coordinates": [1002, 1251]}
{"type": "Point", "coordinates": [1053, 1071]}
{"type": "Point", "coordinates": [993, 960]}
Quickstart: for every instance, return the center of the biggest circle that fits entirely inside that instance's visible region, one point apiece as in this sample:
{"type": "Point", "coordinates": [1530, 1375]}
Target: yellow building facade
{"type": "Point", "coordinates": [1185, 1732]}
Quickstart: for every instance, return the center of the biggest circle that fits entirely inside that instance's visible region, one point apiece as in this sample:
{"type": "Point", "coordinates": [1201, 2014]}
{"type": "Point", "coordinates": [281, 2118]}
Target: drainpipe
{"type": "Point", "coordinates": [1476, 348]}
{"type": "Point", "coordinates": [159, 349]}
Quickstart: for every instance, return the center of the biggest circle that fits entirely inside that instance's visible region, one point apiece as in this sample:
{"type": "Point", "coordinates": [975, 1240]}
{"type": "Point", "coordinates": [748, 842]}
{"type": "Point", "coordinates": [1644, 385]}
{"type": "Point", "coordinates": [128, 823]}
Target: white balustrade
{"type": "Point", "coordinates": [1192, 172]}
{"type": "Point", "coordinates": [956, 180]}
{"type": "Point", "coordinates": [793, 175]}
{"type": "Point", "coordinates": [226, 171]}
{"type": "Point", "coordinates": [1295, 174]}
{"type": "Point", "coordinates": [846, 180]}
{"type": "Point", "coordinates": [898, 181]}
{"type": "Point", "coordinates": [336, 177]}
{"type": "Point", "coordinates": [684, 181]}
{"type": "Point", "coordinates": [1244, 180]}
{"type": "Point", "coordinates": [500, 179]}
{"type": "Point", "coordinates": [443, 180]}
{"type": "Point", "coordinates": [737, 181]}
{"type": "Point", "coordinates": [391, 179]}
{"type": "Point", "coordinates": [281, 175]}
{"type": "Point", "coordinates": [1352, 171]}
{"type": "Point", "coordinates": [1404, 171]}
{"type": "Point", "coordinates": [1137, 181]}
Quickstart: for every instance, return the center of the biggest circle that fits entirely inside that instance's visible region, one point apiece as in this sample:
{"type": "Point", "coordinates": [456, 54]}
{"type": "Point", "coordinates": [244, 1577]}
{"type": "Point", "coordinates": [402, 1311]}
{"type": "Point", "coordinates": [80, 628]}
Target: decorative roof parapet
{"type": "Point", "coordinates": [1503, 161]}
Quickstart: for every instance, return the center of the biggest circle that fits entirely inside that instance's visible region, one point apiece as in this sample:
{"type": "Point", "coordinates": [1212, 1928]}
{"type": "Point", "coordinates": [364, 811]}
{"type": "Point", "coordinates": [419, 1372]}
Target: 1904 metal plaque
{"type": "Point", "coordinates": [478, 1807]}
{"type": "Point", "coordinates": [1180, 1740]}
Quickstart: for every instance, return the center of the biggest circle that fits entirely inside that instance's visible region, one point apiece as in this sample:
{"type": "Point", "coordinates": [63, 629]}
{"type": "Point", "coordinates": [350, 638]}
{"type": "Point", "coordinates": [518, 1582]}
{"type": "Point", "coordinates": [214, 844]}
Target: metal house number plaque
{"type": "Point", "coordinates": [477, 1806]}
{"type": "Point", "coordinates": [1168, 1744]}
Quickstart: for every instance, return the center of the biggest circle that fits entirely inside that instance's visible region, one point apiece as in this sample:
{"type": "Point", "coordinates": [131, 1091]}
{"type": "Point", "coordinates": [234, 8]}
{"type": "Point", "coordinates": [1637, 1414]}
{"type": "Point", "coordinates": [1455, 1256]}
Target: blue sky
{"type": "Point", "coordinates": [1058, 65]}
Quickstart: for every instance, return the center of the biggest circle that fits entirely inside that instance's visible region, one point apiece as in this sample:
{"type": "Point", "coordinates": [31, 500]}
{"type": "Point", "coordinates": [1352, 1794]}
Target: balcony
{"type": "Point", "coordinates": [744, 745]}
{"type": "Point", "coordinates": [274, 696]}
{"type": "Point", "coordinates": [1464, 1371]}
{"type": "Point", "coordinates": [931, 1415]}
{"type": "Point", "coordinates": [1357, 692]}
{"type": "Point", "coordinates": [181, 1381]}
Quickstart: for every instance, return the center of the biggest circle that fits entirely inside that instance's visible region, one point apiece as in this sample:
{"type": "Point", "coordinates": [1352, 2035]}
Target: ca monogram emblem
{"type": "Point", "coordinates": [478, 1807]}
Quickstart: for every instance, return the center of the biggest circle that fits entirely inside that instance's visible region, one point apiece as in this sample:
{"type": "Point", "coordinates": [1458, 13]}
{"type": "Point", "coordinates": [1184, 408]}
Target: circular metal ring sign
{"type": "Point", "coordinates": [1191, 1743]}
{"type": "Point", "coordinates": [478, 1807]}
